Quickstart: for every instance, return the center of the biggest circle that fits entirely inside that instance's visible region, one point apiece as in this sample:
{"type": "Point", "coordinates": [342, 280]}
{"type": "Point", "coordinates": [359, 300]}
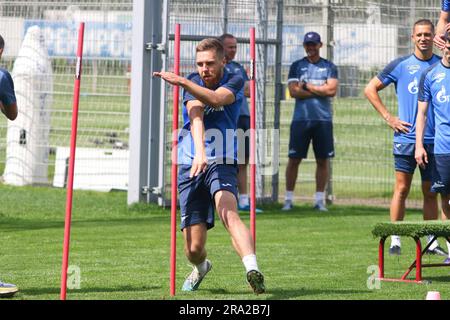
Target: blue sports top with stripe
{"type": "Point", "coordinates": [434, 88]}
{"type": "Point", "coordinates": [7, 95]}
{"type": "Point", "coordinates": [446, 5]}
{"type": "Point", "coordinates": [220, 123]}
{"type": "Point", "coordinates": [405, 73]}
{"type": "Point", "coordinates": [315, 108]}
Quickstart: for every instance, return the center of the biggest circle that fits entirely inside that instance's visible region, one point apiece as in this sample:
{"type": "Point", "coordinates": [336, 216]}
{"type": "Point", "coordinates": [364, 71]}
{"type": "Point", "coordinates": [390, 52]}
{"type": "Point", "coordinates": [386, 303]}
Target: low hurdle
{"type": "Point", "coordinates": [414, 230]}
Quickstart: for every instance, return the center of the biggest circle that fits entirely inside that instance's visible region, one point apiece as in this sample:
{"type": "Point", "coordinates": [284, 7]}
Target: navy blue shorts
{"type": "Point", "coordinates": [197, 193]}
{"type": "Point", "coordinates": [321, 134]}
{"type": "Point", "coordinates": [244, 125]}
{"type": "Point", "coordinates": [405, 161]}
{"type": "Point", "coordinates": [441, 174]}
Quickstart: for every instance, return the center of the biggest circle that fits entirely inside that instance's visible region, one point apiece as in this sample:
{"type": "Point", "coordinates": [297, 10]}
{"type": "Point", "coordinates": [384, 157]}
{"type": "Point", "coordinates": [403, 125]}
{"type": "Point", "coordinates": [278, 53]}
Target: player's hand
{"type": "Point", "coordinates": [421, 157]}
{"type": "Point", "coordinates": [199, 164]}
{"type": "Point", "coordinates": [170, 77]}
{"type": "Point", "coordinates": [398, 125]}
{"type": "Point", "coordinates": [439, 41]}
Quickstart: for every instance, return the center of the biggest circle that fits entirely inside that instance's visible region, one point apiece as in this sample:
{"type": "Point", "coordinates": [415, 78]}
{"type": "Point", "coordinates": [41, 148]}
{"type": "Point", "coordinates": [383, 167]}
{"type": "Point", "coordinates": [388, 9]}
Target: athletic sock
{"type": "Point", "coordinates": [250, 262]}
{"type": "Point", "coordinates": [202, 268]}
{"type": "Point", "coordinates": [289, 196]}
{"type": "Point", "coordinates": [320, 198]}
{"type": "Point", "coordinates": [448, 248]}
{"type": "Point", "coordinates": [244, 200]}
{"type": "Point", "coordinates": [395, 241]}
{"type": "Point", "coordinates": [434, 244]}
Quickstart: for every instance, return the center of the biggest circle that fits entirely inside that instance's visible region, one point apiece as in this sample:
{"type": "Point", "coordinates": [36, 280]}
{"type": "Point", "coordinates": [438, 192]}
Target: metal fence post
{"type": "Point", "coordinates": [278, 97]}
{"type": "Point", "coordinates": [328, 20]}
{"type": "Point", "coordinates": [145, 103]}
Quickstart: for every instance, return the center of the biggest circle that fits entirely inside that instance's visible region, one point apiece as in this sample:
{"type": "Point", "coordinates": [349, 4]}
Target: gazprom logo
{"type": "Point", "coordinates": [413, 87]}
{"type": "Point", "coordinates": [442, 97]}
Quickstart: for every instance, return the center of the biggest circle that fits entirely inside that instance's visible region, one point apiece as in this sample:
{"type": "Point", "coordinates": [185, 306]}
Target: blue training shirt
{"type": "Point", "coordinates": [446, 5]}
{"type": "Point", "coordinates": [435, 89]}
{"type": "Point", "coordinates": [405, 73]}
{"type": "Point", "coordinates": [315, 108]}
{"type": "Point", "coordinates": [7, 95]}
{"type": "Point", "coordinates": [237, 68]}
{"type": "Point", "coordinates": [220, 123]}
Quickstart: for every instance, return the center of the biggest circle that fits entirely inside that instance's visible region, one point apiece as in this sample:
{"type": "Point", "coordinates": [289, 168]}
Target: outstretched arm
{"type": "Point", "coordinates": [371, 92]}
{"type": "Point", "coordinates": [214, 98]}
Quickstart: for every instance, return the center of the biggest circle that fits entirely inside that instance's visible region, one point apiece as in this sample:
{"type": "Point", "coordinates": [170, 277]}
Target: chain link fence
{"type": "Point", "coordinates": [361, 37]}
{"type": "Point", "coordinates": [104, 102]}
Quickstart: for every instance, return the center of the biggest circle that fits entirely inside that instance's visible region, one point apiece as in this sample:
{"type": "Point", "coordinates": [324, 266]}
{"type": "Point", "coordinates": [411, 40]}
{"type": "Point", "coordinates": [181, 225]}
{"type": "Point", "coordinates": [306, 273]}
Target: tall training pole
{"type": "Point", "coordinates": [252, 136]}
{"type": "Point", "coordinates": [173, 220]}
{"type": "Point", "coordinates": [73, 144]}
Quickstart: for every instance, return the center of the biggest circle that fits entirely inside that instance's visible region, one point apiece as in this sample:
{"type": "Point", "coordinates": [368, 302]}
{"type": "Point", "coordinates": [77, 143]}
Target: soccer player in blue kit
{"type": "Point", "coordinates": [434, 93]}
{"type": "Point", "coordinates": [8, 106]}
{"type": "Point", "coordinates": [405, 73]}
{"type": "Point", "coordinates": [312, 81]}
{"type": "Point", "coordinates": [207, 177]}
{"type": "Point", "coordinates": [443, 24]}
{"type": "Point", "coordinates": [229, 43]}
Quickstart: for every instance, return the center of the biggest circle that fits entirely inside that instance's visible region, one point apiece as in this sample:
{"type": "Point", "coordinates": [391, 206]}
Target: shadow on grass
{"type": "Point", "coordinates": [443, 279]}
{"type": "Point", "coordinates": [14, 225]}
{"type": "Point", "coordinates": [280, 294]}
{"type": "Point", "coordinates": [305, 211]}
{"type": "Point", "coordinates": [56, 291]}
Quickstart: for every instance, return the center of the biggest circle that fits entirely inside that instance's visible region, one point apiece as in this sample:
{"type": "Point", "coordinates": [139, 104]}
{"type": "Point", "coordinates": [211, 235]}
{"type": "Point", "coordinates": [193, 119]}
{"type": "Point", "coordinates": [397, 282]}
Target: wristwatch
{"type": "Point", "coordinates": [304, 86]}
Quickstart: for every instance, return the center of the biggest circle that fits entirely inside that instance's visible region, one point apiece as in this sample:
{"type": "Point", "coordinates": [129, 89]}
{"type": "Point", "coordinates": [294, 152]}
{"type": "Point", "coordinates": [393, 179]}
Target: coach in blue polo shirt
{"type": "Point", "coordinates": [312, 82]}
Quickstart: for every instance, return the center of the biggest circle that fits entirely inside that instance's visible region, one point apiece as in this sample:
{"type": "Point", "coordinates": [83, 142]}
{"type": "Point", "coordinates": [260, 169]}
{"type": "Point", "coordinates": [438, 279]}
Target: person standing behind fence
{"type": "Point", "coordinates": [443, 24]}
{"type": "Point", "coordinates": [405, 73]}
{"type": "Point", "coordinates": [229, 43]}
{"type": "Point", "coordinates": [312, 81]}
{"type": "Point", "coordinates": [434, 93]}
{"type": "Point", "coordinates": [8, 106]}
{"type": "Point", "coordinates": [207, 176]}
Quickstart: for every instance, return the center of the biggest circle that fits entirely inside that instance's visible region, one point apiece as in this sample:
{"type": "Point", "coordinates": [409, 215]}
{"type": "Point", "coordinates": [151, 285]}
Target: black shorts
{"type": "Point", "coordinates": [321, 134]}
{"type": "Point", "coordinates": [197, 193]}
{"type": "Point", "coordinates": [441, 174]}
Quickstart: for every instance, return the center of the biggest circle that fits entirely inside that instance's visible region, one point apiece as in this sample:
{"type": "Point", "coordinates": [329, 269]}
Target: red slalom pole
{"type": "Point", "coordinates": [173, 218]}
{"type": "Point", "coordinates": [73, 144]}
{"type": "Point", "coordinates": [252, 135]}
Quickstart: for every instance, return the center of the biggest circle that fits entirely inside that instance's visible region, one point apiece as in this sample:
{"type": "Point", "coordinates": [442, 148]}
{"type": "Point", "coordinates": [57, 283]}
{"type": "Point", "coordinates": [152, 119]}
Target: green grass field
{"type": "Point", "coordinates": [123, 253]}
